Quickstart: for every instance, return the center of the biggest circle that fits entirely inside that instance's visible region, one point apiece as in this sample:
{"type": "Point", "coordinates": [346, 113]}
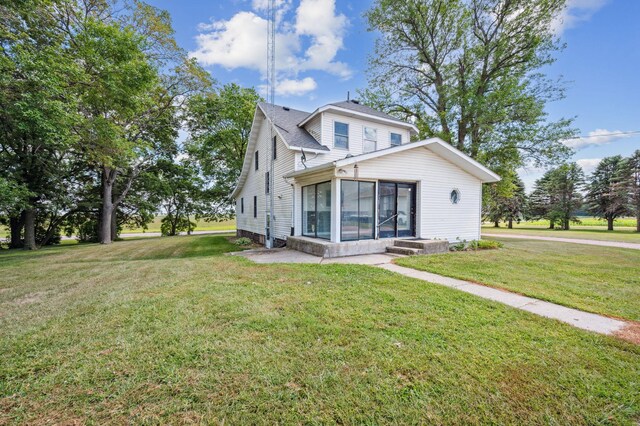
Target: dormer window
{"type": "Point", "coordinates": [396, 139]}
{"type": "Point", "coordinates": [370, 139]}
{"type": "Point", "coordinates": [341, 135]}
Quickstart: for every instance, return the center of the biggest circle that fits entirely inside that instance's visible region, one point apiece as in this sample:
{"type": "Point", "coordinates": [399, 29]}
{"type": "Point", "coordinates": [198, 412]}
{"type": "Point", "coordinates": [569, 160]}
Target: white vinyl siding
{"type": "Point", "coordinates": [255, 186]}
{"type": "Point", "coordinates": [356, 138]}
{"type": "Point", "coordinates": [436, 177]}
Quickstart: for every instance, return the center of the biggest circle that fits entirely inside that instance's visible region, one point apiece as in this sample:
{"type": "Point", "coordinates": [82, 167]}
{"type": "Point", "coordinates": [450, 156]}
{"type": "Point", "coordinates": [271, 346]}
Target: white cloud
{"type": "Point", "coordinates": [595, 138]}
{"type": "Point", "coordinates": [291, 87]}
{"type": "Point", "coordinates": [241, 43]}
{"type": "Point", "coordinates": [588, 164]}
{"type": "Point", "coordinates": [575, 12]}
{"type": "Point", "coordinates": [308, 42]}
{"type": "Point", "coordinates": [318, 19]}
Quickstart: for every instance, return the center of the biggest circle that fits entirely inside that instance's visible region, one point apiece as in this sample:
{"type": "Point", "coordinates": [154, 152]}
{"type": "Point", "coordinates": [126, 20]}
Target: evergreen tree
{"type": "Point", "coordinates": [606, 196]}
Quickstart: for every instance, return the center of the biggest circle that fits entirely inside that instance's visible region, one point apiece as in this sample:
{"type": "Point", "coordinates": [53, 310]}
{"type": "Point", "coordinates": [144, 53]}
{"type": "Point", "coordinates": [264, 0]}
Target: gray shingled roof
{"type": "Point", "coordinates": [286, 120]}
{"type": "Point", "coordinates": [354, 106]}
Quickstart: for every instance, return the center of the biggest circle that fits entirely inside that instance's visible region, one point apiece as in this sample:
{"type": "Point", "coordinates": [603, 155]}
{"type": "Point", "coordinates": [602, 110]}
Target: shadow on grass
{"type": "Point", "coordinates": [130, 249]}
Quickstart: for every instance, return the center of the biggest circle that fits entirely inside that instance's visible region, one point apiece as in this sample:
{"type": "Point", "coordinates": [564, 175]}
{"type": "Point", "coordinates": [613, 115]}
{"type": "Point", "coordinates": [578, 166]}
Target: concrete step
{"type": "Point", "coordinates": [425, 246]}
{"type": "Point", "coordinates": [407, 251]}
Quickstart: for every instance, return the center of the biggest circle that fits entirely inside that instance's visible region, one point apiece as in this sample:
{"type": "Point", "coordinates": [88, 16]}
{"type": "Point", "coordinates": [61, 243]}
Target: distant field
{"type": "Point", "coordinates": [201, 225]}
{"type": "Point", "coordinates": [590, 229]}
{"type": "Point", "coordinates": [625, 235]}
{"type": "Point", "coordinates": [588, 221]}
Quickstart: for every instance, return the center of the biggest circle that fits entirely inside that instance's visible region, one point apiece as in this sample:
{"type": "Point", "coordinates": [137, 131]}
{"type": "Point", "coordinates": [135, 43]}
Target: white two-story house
{"type": "Point", "coordinates": [348, 173]}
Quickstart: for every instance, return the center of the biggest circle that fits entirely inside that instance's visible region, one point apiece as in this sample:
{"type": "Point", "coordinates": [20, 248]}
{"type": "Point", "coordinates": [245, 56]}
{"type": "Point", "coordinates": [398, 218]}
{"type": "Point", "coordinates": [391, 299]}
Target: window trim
{"type": "Point", "coordinates": [274, 148]}
{"type": "Point", "coordinates": [459, 196]}
{"type": "Point", "coordinates": [334, 135]}
{"type": "Point", "coordinates": [267, 183]}
{"type": "Point", "coordinates": [375, 208]}
{"type": "Point", "coordinates": [315, 185]}
{"type": "Point", "coordinates": [365, 140]}
{"type": "Point", "coordinates": [257, 160]}
{"type": "Point", "coordinates": [391, 140]}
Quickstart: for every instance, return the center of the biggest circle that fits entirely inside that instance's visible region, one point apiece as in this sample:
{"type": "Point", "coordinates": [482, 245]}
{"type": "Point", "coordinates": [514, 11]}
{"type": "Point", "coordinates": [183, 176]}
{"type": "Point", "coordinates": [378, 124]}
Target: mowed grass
{"type": "Point", "coordinates": [603, 280]}
{"type": "Point", "coordinates": [172, 331]}
{"type": "Point", "coordinates": [201, 225]}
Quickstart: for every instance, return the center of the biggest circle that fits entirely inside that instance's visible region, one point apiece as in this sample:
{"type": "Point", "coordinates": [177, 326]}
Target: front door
{"type": "Point", "coordinates": [397, 209]}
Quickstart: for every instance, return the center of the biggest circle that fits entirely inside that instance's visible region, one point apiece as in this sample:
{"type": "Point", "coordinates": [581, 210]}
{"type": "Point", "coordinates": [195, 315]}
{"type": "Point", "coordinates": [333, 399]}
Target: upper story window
{"type": "Point", "coordinates": [396, 139]}
{"type": "Point", "coordinates": [370, 139]}
{"type": "Point", "coordinates": [257, 159]}
{"type": "Point", "coordinates": [274, 148]}
{"type": "Point", "coordinates": [341, 135]}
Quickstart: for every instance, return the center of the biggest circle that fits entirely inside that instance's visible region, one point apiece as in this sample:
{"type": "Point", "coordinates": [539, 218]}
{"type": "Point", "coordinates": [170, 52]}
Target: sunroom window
{"type": "Point", "coordinates": [316, 210]}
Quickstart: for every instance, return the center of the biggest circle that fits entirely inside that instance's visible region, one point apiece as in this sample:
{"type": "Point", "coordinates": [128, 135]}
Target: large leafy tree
{"type": "Point", "coordinates": [606, 195]}
{"type": "Point", "coordinates": [137, 79]}
{"type": "Point", "coordinates": [470, 73]}
{"type": "Point", "coordinates": [557, 195]}
{"type": "Point", "coordinates": [631, 182]}
{"type": "Point", "coordinates": [565, 185]}
{"type": "Point", "coordinates": [219, 123]}
{"type": "Point", "coordinates": [37, 111]}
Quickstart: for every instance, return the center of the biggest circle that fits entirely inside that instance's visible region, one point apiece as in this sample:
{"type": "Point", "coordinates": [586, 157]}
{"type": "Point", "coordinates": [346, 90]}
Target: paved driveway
{"type": "Point", "coordinates": [568, 240]}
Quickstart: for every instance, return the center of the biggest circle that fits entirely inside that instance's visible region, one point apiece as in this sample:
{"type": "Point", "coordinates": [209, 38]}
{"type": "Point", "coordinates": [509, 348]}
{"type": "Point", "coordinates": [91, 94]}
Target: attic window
{"type": "Point", "coordinates": [396, 139]}
{"type": "Point", "coordinates": [454, 196]}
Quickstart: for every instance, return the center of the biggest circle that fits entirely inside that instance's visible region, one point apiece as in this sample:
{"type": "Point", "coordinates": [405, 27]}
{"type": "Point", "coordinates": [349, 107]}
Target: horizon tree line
{"type": "Point", "coordinates": [610, 192]}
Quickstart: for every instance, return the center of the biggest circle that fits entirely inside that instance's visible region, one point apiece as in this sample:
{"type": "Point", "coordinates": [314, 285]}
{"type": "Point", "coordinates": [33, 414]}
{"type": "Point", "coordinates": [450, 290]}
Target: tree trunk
{"type": "Point", "coordinates": [496, 224]}
{"type": "Point", "coordinates": [114, 223]}
{"type": "Point", "coordinates": [638, 221]}
{"type": "Point", "coordinates": [30, 229]}
{"type": "Point", "coordinates": [104, 227]}
{"type": "Point", "coordinates": [16, 223]}
{"type": "Point", "coordinates": [552, 225]}
{"type": "Point", "coordinates": [565, 224]}
{"type": "Point", "coordinates": [188, 225]}
{"type": "Point", "coordinates": [510, 223]}
{"type": "Point", "coordinates": [609, 224]}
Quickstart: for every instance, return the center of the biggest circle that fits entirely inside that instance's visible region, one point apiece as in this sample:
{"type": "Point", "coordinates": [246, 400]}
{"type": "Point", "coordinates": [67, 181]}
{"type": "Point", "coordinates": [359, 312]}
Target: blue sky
{"type": "Point", "coordinates": [323, 46]}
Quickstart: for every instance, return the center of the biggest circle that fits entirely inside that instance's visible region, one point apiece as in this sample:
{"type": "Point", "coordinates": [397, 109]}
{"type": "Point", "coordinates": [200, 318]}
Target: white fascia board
{"type": "Point", "coordinates": [311, 170]}
{"type": "Point", "coordinates": [350, 112]}
{"type": "Point", "coordinates": [461, 159]}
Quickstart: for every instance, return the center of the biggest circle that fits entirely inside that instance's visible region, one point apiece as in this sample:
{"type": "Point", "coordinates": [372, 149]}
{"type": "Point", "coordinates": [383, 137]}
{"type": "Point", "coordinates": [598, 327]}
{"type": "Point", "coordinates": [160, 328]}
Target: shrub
{"type": "Point", "coordinates": [476, 245]}
{"type": "Point", "coordinates": [243, 241]}
{"type": "Point", "coordinates": [484, 245]}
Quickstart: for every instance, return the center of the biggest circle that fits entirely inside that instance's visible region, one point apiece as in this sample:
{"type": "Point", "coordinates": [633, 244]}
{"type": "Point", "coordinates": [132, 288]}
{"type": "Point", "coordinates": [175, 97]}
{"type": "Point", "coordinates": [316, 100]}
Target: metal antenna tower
{"type": "Point", "coordinates": [271, 94]}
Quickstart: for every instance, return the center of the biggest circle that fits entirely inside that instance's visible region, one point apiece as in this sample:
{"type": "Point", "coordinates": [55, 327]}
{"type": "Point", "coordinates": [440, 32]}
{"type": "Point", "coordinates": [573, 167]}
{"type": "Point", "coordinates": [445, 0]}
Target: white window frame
{"type": "Point", "coordinates": [334, 135]}
{"type": "Point", "coordinates": [395, 133]}
{"type": "Point", "coordinates": [365, 140]}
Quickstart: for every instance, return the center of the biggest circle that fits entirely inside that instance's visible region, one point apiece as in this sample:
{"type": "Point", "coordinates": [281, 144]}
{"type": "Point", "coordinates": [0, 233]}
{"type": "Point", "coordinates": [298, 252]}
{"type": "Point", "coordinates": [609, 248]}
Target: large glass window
{"type": "Point", "coordinates": [370, 139]}
{"type": "Point", "coordinates": [316, 210]}
{"type": "Point", "coordinates": [341, 135]}
{"type": "Point", "coordinates": [357, 211]}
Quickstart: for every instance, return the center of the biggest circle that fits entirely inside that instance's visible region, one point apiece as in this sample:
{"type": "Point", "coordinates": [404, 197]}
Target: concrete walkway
{"type": "Point", "coordinates": [575, 317]}
{"type": "Point", "coordinates": [568, 240]}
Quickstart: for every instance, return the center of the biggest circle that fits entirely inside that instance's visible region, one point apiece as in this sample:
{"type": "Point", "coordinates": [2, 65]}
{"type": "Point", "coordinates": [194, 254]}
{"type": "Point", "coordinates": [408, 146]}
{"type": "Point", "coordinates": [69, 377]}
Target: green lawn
{"type": "Point", "coordinates": [169, 330]}
{"type": "Point", "coordinates": [597, 279]}
{"type": "Point", "coordinates": [627, 235]}
{"type": "Point", "coordinates": [201, 225]}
